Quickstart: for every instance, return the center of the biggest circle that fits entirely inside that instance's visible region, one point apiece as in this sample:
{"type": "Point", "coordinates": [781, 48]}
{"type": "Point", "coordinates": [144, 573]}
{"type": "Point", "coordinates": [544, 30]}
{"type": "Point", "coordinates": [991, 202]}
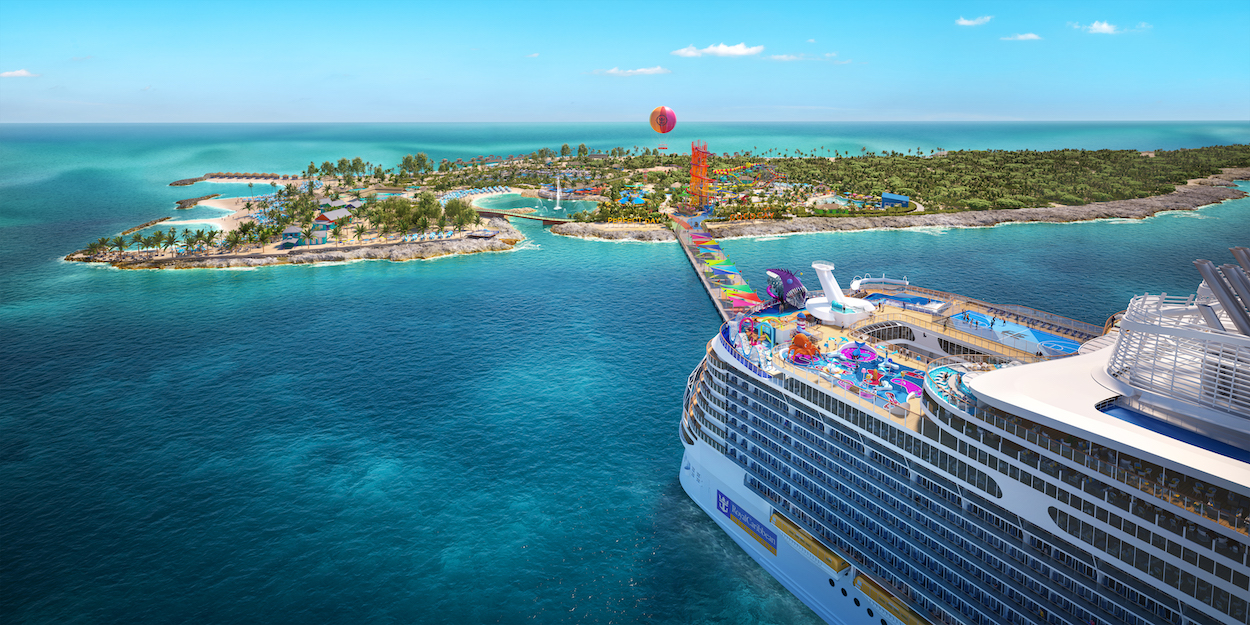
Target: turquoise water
{"type": "Point", "coordinates": [469, 439]}
{"type": "Point", "coordinates": [543, 208]}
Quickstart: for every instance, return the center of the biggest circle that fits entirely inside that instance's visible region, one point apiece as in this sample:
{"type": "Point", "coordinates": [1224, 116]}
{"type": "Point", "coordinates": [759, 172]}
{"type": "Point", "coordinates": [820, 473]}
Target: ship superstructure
{"type": "Point", "coordinates": [895, 454]}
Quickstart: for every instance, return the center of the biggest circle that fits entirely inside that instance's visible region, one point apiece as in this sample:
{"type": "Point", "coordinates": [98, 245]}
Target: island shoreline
{"type": "Point", "coordinates": [1196, 194]}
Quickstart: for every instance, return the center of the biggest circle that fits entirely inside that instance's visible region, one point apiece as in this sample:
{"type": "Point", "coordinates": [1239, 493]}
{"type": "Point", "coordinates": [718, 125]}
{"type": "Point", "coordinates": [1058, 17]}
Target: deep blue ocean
{"type": "Point", "coordinates": [489, 438]}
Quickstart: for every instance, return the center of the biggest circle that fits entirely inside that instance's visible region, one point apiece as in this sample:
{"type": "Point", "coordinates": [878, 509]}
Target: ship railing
{"type": "Point", "coordinates": [1167, 311]}
{"type": "Point", "coordinates": [948, 329]}
{"type": "Point", "coordinates": [1037, 436]}
{"type": "Point", "coordinates": [729, 346]}
{"type": "Point", "coordinates": [843, 394]}
{"type": "Point", "coordinates": [1164, 348]}
{"type": "Point", "coordinates": [1024, 312]}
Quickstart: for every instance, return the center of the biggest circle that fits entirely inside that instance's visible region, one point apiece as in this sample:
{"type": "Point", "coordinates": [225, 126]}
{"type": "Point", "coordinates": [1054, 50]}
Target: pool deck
{"type": "Point", "coordinates": [948, 322]}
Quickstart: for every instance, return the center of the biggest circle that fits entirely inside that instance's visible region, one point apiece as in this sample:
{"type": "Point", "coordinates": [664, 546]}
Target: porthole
{"type": "Point", "coordinates": [883, 622]}
{"type": "Point", "coordinates": [869, 611]}
{"type": "Point", "coordinates": [857, 602]}
{"type": "Point", "coordinates": [831, 582]}
{"type": "Point", "coordinates": [843, 592]}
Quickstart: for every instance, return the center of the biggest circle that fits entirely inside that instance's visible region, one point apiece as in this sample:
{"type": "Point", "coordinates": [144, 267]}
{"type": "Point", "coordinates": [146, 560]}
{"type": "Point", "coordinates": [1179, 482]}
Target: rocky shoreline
{"type": "Point", "coordinates": [506, 240]}
{"type": "Point", "coordinates": [1184, 198]}
{"type": "Point", "coordinates": [146, 225]}
{"type": "Point", "coordinates": [602, 231]}
{"type": "Point", "coordinates": [191, 202]}
{"type": "Point", "coordinates": [1196, 194]}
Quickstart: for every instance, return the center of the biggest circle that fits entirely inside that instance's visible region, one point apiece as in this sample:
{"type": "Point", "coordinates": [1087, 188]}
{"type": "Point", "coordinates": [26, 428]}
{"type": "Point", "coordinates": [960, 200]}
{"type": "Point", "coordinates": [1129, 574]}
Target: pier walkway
{"type": "Point", "coordinates": [547, 221]}
{"type": "Point", "coordinates": [720, 278]}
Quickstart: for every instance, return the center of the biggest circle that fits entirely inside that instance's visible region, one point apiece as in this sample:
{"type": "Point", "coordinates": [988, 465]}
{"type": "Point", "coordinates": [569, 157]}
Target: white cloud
{"type": "Point", "coordinates": [21, 73]}
{"type": "Point", "coordinates": [1102, 28]}
{"type": "Point", "coordinates": [645, 71]}
{"type": "Point", "coordinates": [974, 22]}
{"type": "Point", "coordinates": [831, 54]}
{"type": "Point", "coordinates": [789, 57]}
{"type": "Point", "coordinates": [532, 56]}
{"type": "Point", "coordinates": [811, 41]}
{"type": "Point", "coordinates": [82, 58]}
{"type": "Point", "coordinates": [719, 49]}
{"type": "Point", "coordinates": [147, 88]}
{"type": "Point", "coordinates": [1024, 37]}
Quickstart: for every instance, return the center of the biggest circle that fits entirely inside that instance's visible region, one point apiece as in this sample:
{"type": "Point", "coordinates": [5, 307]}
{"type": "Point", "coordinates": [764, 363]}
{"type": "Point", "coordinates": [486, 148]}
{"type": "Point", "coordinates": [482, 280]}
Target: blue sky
{"type": "Point", "coordinates": [314, 61]}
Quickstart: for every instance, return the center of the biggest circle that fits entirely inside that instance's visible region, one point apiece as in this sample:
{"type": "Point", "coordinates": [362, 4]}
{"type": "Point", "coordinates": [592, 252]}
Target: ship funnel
{"type": "Point", "coordinates": [1220, 289]}
{"type": "Point", "coordinates": [824, 271]}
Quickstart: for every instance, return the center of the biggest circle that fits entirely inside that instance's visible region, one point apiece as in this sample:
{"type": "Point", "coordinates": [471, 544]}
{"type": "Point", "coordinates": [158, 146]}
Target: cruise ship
{"type": "Point", "coordinates": [893, 454]}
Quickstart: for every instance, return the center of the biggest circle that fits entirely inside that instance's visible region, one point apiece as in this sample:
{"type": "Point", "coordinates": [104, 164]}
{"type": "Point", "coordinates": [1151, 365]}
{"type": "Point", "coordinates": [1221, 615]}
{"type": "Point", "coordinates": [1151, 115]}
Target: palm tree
{"type": "Point", "coordinates": [138, 240]}
{"type": "Point", "coordinates": [337, 233]}
{"type": "Point", "coordinates": [188, 240]}
{"type": "Point", "coordinates": [233, 239]}
{"type": "Point", "coordinates": [168, 240]}
{"type": "Point", "coordinates": [119, 242]}
{"type": "Point", "coordinates": [103, 243]}
{"type": "Point", "coordinates": [307, 231]}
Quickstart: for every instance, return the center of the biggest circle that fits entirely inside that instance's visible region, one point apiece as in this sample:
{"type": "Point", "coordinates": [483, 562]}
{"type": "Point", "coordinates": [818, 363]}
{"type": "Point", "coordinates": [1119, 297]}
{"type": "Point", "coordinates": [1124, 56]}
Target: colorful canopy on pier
{"type": "Point", "coordinates": [745, 299]}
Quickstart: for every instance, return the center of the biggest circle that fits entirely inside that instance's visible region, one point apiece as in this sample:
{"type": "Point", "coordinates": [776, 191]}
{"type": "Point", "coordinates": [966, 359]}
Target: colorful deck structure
{"type": "Point", "coordinates": [725, 285]}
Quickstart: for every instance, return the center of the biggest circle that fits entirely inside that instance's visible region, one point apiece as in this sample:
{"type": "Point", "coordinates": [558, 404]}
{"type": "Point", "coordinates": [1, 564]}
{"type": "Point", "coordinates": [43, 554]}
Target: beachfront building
{"type": "Point", "coordinates": [326, 221]}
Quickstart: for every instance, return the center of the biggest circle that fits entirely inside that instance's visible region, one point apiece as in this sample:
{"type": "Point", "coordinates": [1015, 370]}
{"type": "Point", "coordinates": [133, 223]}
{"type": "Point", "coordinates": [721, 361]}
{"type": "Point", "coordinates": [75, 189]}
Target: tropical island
{"type": "Point", "coordinates": [354, 209]}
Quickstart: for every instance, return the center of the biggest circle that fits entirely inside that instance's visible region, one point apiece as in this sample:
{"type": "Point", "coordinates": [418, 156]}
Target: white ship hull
{"type": "Point", "coordinates": [704, 472]}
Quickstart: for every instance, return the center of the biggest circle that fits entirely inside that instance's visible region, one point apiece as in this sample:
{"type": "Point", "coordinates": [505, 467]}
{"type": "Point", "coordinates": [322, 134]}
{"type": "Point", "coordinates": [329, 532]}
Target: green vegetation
{"type": "Point", "coordinates": [946, 182]}
{"type": "Point", "coordinates": [979, 180]}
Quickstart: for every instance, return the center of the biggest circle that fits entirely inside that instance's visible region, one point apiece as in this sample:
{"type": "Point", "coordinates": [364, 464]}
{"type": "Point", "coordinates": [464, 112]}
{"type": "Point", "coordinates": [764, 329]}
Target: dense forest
{"type": "Point", "coordinates": [1000, 179]}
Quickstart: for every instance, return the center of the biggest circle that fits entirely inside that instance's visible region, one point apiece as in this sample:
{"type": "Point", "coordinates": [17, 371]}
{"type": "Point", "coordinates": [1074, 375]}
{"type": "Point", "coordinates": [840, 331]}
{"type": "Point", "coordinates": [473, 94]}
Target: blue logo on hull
{"type": "Point", "coordinates": [743, 519]}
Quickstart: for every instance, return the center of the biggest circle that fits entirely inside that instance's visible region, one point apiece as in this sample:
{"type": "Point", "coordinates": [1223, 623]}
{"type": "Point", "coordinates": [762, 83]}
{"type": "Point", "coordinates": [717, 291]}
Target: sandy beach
{"type": "Point", "coordinates": [392, 247]}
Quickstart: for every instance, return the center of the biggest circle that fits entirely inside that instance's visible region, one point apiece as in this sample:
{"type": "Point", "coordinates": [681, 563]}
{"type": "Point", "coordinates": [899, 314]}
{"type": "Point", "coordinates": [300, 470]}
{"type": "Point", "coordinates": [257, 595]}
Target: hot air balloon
{"type": "Point", "coordinates": [663, 119]}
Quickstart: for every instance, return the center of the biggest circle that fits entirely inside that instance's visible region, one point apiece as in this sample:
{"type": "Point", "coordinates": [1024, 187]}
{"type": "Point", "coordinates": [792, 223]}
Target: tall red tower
{"type": "Point", "coordinates": [700, 195]}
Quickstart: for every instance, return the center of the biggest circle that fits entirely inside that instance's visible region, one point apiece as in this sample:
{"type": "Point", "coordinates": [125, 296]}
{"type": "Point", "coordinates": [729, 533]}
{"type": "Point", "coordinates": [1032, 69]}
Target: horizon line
{"type": "Point", "coordinates": [800, 121]}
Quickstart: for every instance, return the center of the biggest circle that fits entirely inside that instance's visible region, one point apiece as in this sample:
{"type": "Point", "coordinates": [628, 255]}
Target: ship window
{"type": "Point", "coordinates": [831, 583]}
{"type": "Point", "coordinates": [869, 611]}
{"type": "Point", "coordinates": [857, 602]}
{"type": "Point", "coordinates": [843, 592]}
